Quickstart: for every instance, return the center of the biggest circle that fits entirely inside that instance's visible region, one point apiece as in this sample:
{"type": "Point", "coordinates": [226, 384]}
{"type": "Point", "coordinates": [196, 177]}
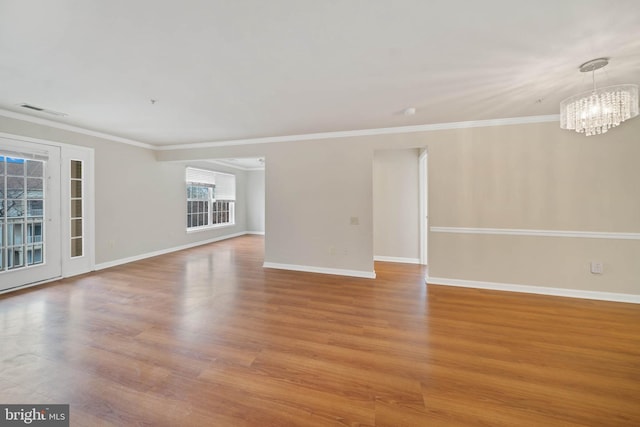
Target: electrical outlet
{"type": "Point", "coordinates": [596, 267]}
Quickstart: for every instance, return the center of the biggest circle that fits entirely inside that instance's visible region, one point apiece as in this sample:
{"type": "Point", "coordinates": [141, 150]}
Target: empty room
{"type": "Point", "coordinates": [319, 213]}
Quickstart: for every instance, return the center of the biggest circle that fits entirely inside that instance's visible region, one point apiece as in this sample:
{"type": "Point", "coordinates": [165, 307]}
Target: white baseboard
{"type": "Point", "coordinates": [260, 233]}
{"type": "Point", "coordinates": [541, 290]}
{"type": "Point", "coordinates": [322, 270]}
{"type": "Point", "coordinates": [121, 261]}
{"type": "Point", "coordinates": [396, 259]}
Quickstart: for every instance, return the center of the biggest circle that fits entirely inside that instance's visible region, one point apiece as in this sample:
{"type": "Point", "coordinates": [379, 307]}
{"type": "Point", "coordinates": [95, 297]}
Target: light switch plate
{"type": "Point", "coordinates": [596, 267]}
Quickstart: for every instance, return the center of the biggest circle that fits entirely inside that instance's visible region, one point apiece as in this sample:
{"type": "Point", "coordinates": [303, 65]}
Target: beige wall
{"type": "Point", "coordinates": [530, 176]}
{"type": "Point", "coordinates": [396, 227]}
{"type": "Point", "coordinates": [537, 177]}
{"type": "Point", "coordinates": [255, 201]}
{"type": "Point", "coordinates": [313, 190]}
{"type": "Point", "coordinates": [139, 202]}
{"type": "Point", "coordinates": [556, 262]}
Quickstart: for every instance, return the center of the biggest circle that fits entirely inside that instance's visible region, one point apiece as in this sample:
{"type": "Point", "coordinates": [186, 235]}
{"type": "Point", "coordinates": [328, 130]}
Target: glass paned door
{"type": "Point", "coordinates": [29, 213]}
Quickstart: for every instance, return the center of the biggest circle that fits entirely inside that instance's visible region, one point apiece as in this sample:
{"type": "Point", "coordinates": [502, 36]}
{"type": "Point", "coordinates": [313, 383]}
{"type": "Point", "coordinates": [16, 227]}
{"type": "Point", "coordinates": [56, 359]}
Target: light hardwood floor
{"type": "Point", "coordinates": [207, 337]}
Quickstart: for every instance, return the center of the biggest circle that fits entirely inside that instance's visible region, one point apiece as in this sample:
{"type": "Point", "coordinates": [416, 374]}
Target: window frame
{"type": "Point", "coordinates": [213, 214]}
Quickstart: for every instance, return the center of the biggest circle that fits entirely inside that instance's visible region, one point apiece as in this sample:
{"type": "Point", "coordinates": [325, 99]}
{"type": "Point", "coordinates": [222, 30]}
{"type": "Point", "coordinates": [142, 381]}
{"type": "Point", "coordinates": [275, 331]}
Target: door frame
{"type": "Point", "coordinates": [423, 185]}
{"type": "Point", "coordinates": [86, 263]}
{"type": "Point", "coordinates": [50, 267]}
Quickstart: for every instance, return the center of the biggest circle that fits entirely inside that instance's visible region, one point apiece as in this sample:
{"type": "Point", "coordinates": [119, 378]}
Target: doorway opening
{"type": "Point", "coordinates": [399, 194]}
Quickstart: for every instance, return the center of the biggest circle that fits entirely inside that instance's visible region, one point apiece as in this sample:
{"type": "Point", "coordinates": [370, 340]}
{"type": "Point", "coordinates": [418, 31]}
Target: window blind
{"type": "Point", "coordinates": [201, 176]}
{"type": "Point", "coordinates": [224, 183]}
{"type": "Point", "coordinates": [225, 186]}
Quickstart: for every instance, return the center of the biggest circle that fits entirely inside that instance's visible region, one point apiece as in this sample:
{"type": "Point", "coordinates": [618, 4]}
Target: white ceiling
{"type": "Point", "coordinates": [226, 70]}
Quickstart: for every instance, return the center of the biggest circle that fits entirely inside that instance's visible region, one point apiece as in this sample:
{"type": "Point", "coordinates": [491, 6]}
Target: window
{"type": "Point", "coordinates": [210, 199]}
{"type": "Point", "coordinates": [21, 212]}
{"type": "Point", "coordinates": [76, 209]}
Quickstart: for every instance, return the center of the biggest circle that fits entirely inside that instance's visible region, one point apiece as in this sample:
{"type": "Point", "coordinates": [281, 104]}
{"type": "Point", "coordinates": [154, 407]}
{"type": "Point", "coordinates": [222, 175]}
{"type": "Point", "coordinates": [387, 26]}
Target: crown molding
{"type": "Point", "coordinates": [287, 138]}
{"type": "Point", "coordinates": [366, 132]}
{"type": "Point", "coordinates": [76, 129]}
{"type": "Point", "coordinates": [230, 165]}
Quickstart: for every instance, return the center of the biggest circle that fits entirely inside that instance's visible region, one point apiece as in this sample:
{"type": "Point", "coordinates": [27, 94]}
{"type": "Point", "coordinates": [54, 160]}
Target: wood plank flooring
{"type": "Point", "coordinates": [207, 337]}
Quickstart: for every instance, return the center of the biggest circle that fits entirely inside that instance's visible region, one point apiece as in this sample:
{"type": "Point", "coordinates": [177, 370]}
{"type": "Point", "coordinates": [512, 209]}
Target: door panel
{"type": "Point", "coordinates": [29, 213]}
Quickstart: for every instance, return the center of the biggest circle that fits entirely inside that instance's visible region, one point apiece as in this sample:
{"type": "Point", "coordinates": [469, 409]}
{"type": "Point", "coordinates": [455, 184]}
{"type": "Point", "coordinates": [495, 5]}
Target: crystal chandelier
{"type": "Point", "coordinates": [594, 112]}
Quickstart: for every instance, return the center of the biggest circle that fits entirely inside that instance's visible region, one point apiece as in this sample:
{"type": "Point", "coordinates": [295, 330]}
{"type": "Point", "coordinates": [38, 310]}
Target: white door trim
{"type": "Point", "coordinates": [85, 263]}
{"type": "Point", "coordinates": [423, 185]}
{"type": "Point", "coordinates": [71, 267]}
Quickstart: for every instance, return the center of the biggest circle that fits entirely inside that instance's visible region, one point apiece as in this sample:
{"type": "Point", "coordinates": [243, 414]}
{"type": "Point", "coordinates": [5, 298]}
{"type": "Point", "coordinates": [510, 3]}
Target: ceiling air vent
{"type": "Point", "coordinates": [43, 110]}
{"type": "Point", "coordinates": [32, 107]}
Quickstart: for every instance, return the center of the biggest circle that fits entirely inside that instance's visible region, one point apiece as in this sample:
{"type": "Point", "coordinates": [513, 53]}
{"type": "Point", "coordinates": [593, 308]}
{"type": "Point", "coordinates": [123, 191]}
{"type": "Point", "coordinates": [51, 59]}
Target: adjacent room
{"type": "Point", "coordinates": [306, 213]}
